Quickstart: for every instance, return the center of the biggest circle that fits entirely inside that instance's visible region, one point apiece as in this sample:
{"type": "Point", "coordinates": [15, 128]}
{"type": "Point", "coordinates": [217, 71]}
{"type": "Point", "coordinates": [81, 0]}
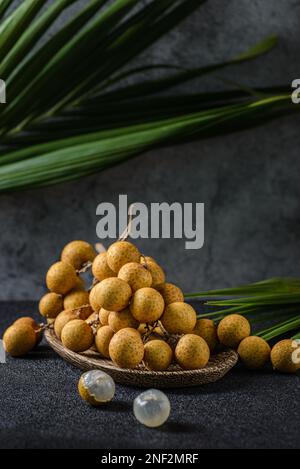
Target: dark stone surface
{"type": "Point", "coordinates": [40, 408]}
{"type": "Point", "coordinates": [248, 181]}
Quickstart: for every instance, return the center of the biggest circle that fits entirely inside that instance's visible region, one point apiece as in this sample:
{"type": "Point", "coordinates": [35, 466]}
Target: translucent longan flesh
{"type": "Point", "coordinates": [99, 386]}
{"type": "Point", "coordinates": [152, 408]}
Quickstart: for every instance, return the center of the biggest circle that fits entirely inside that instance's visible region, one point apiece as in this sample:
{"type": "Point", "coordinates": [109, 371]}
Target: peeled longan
{"type": "Point", "coordinates": [77, 335]}
{"type": "Point", "coordinates": [19, 339]}
{"type": "Point", "coordinates": [51, 305]}
{"type": "Point", "coordinates": [68, 315]}
{"type": "Point", "coordinates": [121, 319]}
{"type": "Point", "coordinates": [112, 294]}
{"type": "Point", "coordinates": [78, 253]}
{"type": "Point", "coordinates": [147, 305]}
{"type": "Point", "coordinates": [170, 293]}
{"type": "Point", "coordinates": [157, 273]}
{"type": "Point", "coordinates": [76, 298]}
{"type": "Point", "coordinates": [136, 275]}
{"type": "Point", "coordinates": [61, 278]}
{"type": "Point", "coordinates": [100, 268]}
{"type": "Point", "coordinates": [158, 355]}
{"type": "Point", "coordinates": [206, 329]}
{"type": "Point", "coordinates": [120, 253]}
{"type": "Point", "coordinates": [233, 329]}
{"type": "Point", "coordinates": [102, 340]}
{"type": "Point", "coordinates": [285, 356]}
{"type": "Point", "coordinates": [179, 318]}
{"type": "Point", "coordinates": [126, 348]}
{"type": "Point", "coordinates": [254, 352]}
{"type": "Point", "coordinates": [192, 352]}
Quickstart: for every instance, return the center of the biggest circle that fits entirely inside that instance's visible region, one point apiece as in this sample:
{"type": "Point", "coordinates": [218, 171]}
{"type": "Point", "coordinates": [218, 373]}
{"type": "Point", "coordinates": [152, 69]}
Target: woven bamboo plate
{"type": "Point", "coordinates": [217, 367]}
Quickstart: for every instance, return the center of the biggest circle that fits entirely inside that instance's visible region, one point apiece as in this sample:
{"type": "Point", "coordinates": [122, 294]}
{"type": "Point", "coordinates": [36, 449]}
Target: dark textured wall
{"type": "Point", "coordinates": [248, 181]}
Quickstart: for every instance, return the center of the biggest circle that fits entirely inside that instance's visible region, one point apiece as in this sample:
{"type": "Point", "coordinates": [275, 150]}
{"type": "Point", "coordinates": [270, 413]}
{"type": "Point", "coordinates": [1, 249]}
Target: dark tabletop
{"type": "Point", "coordinates": [40, 408]}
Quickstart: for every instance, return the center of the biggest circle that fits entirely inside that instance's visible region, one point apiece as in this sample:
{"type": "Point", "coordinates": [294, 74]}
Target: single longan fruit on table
{"type": "Point", "coordinates": [51, 305]}
{"type": "Point", "coordinates": [147, 305]}
{"type": "Point", "coordinates": [61, 278]}
{"type": "Point", "coordinates": [76, 298]}
{"type": "Point", "coordinates": [158, 355]}
{"type": "Point", "coordinates": [102, 340]}
{"type": "Point", "coordinates": [120, 253]}
{"type": "Point", "coordinates": [136, 275]}
{"type": "Point", "coordinates": [170, 293]}
{"type": "Point", "coordinates": [233, 329]}
{"type": "Point", "coordinates": [121, 319]}
{"type": "Point", "coordinates": [157, 273]}
{"type": "Point", "coordinates": [285, 356]}
{"type": "Point", "coordinates": [32, 323]}
{"type": "Point", "coordinates": [126, 348]}
{"type": "Point", "coordinates": [19, 339]}
{"type": "Point", "coordinates": [101, 269]}
{"type": "Point", "coordinates": [112, 294]}
{"type": "Point", "coordinates": [77, 335]}
{"type": "Point", "coordinates": [206, 329]}
{"type": "Point", "coordinates": [179, 318]}
{"type": "Point", "coordinates": [192, 352]}
{"type": "Point", "coordinates": [254, 352]}
{"type": "Point", "coordinates": [68, 315]}
{"type": "Point", "coordinates": [78, 253]}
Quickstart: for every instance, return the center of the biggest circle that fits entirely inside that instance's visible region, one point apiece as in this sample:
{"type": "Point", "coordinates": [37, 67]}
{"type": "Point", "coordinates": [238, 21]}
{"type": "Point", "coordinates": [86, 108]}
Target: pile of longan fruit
{"type": "Point", "coordinates": [132, 316]}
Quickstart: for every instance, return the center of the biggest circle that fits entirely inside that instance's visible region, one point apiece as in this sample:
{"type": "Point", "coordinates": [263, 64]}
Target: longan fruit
{"type": "Point", "coordinates": [233, 329]}
{"type": "Point", "coordinates": [147, 305]}
{"type": "Point", "coordinates": [100, 268]}
{"type": "Point", "coordinates": [158, 355]}
{"type": "Point", "coordinates": [102, 340]}
{"type": "Point", "coordinates": [93, 317]}
{"type": "Point", "coordinates": [157, 273]}
{"type": "Point", "coordinates": [126, 348]}
{"type": "Point", "coordinates": [282, 356]}
{"type": "Point", "coordinates": [77, 335]}
{"type": "Point", "coordinates": [254, 352]}
{"type": "Point", "coordinates": [51, 305]}
{"type": "Point", "coordinates": [19, 339]}
{"type": "Point", "coordinates": [32, 323]}
{"type": "Point", "coordinates": [206, 329]}
{"type": "Point", "coordinates": [136, 275]}
{"type": "Point", "coordinates": [61, 278]}
{"type": "Point", "coordinates": [179, 318]}
{"type": "Point", "coordinates": [103, 316]}
{"type": "Point", "coordinates": [70, 314]}
{"type": "Point", "coordinates": [121, 319]}
{"type": "Point", "coordinates": [96, 387]}
{"type": "Point", "coordinates": [112, 294]}
{"type": "Point", "coordinates": [120, 253]}
{"type": "Point", "coordinates": [192, 352]}
{"type": "Point", "coordinates": [78, 253]}
{"type": "Point", "coordinates": [75, 299]}
{"type": "Point", "coordinates": [170, 293]}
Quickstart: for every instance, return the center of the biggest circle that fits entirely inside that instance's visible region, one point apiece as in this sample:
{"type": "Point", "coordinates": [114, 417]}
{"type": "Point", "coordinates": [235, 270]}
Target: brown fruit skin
{"type": "Point", "coordinates": [103, 316]}
{"type": "Point", "coordinates": [136, 275]}
{"type": "Point", "coordinates": [112, 294]}
{"type": "Point", "coordinates": [254, 352]}
{"type": "Point", "coordinates": [120, 320]}
{"type": "Point", "coordinates": [78, 253]}
{"type": "Point", "coordinates": [147, 305]}
{"type": "Point", "coordinates": [61, 278]}
{"type": "Point", "coordinates": [120, 253]}
{"type": "Point", "coordinates": [19, 339]}
{"type": "Point", "coordinates": [77, 335]}
{"type": "Point", "coordinates": [170, 293]}
{"type": "Point", "coordinates": [102, 340]}
{"type": "Point", "coordinates": [76, 298]}
{"type": "Point", "coordinates": [233, 329]}
{"type": "Point", "coordinates": [192, 352]}
{"type": "Point", "coordinates": [51, 305]}
{"type": "Point", "coordinates": [100, 268]}
{"type": "Point", "coordinates": [157, 273]}
{"type": "Point", "coordinates": [35, 326]}
{"type": "Point", "coordinates": [281, 356]}
{"type": "Point", "coordinates": [68, 315]}
{"type": "Point", "coordinates": [126, 348]}
{"type": "Point", "coordinates": [206, 329]}
{"type": "Point", "coordinates": [179, 318]}
{"type": "Point", "coordinates": [158, 355]}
